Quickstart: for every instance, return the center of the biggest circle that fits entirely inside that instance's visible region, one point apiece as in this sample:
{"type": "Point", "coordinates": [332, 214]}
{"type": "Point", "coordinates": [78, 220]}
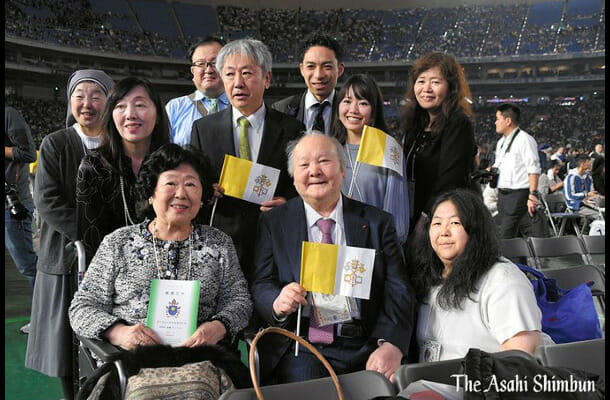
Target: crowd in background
{"type": "Point", "coordinates": [579, 126]}
{"type": "Point", "coordinates": [369, 35]}
{"type": "Point", "coordinates": [441, 127]}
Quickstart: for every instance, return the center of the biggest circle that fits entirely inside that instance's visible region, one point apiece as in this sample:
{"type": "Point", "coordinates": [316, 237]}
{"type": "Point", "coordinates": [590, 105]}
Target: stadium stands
{"type": "Point", "coordinates": [160, 28]}
{"type": "Point", "coordinates": [558, 129]}
{"type": "Point", "coordinates": [166, 29]}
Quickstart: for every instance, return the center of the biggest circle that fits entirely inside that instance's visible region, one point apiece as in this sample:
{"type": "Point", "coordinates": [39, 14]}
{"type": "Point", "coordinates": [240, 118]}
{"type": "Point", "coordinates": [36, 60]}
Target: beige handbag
{"type": "Point", "coordinates": [195, 381]}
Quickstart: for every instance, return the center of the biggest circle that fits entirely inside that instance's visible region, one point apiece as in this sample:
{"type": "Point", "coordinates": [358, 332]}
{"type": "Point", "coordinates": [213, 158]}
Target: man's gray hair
{"type": "Point", "coordinates": [293, 144]}
{"type": "Point", "coordinates": [255, 49]}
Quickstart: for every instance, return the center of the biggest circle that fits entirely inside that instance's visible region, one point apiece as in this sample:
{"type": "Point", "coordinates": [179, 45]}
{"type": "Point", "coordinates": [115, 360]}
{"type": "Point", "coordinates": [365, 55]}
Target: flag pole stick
{"type": "Point", "coordinates": [354, 174]}
{"type": "Point", "coordinates": [213, 210]}
{"type": "Point", "coordinates": [296, 347]}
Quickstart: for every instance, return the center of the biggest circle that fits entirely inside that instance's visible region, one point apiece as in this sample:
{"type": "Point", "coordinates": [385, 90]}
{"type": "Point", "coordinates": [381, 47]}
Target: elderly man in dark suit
{"type": "Point", "coordinates": [247, 129]}
{"type": "Point", "coordinates": [379, 333]}
{"type": "Point", "coordinates": [321, 66]}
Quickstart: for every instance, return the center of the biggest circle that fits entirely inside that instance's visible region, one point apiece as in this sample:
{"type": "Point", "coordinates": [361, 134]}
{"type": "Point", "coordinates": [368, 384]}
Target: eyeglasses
{"type": "Point", "coordinates": [204, 64]}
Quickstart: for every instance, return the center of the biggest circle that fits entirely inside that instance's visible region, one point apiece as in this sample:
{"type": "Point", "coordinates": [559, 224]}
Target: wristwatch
{"type": "Point", "coordinates": [535, 193]}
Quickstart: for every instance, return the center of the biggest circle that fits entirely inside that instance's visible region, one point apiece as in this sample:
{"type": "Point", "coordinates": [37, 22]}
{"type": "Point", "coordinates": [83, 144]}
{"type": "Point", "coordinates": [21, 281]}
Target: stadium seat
{"type": "Point", "coordinates": [562, 218]}
{"type": "Point", "coordinates": [570, 277]}
{"type": "Point", "coordinates": [517, 250]}
{"type": "Point", "coordinates": [361, 385]}
{"type": "Point", "coordinates": [438, 371]}
{"type": "Point", "coordinates": [588, 355]}
{"type": "Point", "coordinates": [595, 246]}
{"type": "Point", "coordinates": [561, 251]}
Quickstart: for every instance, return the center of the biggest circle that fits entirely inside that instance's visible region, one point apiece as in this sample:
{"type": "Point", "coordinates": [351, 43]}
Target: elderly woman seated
{"type": "Point", "coordinates": [113, 299]}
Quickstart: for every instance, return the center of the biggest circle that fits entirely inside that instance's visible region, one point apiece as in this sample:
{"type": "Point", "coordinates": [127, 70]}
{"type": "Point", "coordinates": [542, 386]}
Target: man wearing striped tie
{"type": "Point", "coordinates": [373, 334]}
{"type": "Point", "coordinates": [209, 96]}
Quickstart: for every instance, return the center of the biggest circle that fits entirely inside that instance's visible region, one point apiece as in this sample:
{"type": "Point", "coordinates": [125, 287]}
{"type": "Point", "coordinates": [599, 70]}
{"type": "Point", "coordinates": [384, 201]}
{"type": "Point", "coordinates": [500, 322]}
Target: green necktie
{"type": "Point", "coordinates": [244, 146]}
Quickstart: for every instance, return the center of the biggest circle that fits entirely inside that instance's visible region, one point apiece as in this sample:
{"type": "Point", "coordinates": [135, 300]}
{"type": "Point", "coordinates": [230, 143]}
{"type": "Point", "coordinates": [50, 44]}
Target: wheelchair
{"type": "Point", "coordinates": [85, 349]}
{"type": "Point", "coordinates": [94, 357]}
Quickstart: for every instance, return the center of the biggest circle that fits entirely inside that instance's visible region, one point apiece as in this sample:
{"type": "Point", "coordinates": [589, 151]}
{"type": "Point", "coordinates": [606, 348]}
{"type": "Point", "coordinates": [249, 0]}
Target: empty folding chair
{"type": "Point", "coordinates": [562, 218]}
{"type": "Point", "coordinates": [518, 251]}
{"type": "Point", "coordinates": [556, 252]}
{"type": "Point", "coordinates": [595, 250]}
{"type": "Point", "coordinates": [587, 355]}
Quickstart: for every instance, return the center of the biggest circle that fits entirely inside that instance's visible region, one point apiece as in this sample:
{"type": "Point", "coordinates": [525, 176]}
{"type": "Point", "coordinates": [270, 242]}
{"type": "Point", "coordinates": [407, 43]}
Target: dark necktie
{"type": "Point", "coordinates": [318, 123]}
{"type": "Point", "coordinates": [322, 334]}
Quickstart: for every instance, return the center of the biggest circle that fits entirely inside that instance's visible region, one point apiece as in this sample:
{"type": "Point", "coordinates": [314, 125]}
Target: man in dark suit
{"type": "Point", "coordinates": [321, 66]}
{"type": "Point", "coordinates": [248, 129]}
{"type": "Point", "coordinates": [379, 333]}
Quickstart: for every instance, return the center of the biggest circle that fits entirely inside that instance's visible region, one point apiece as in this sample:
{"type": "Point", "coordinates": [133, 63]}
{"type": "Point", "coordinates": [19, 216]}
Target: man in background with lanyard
{"type": "Point", "coordinates": [519, 168]}
{"type": "Point", "coordinates": [210, 96]}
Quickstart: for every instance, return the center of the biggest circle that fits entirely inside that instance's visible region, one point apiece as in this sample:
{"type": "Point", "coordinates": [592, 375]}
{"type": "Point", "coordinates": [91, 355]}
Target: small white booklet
{"type": "Point", "coordinates": [172, 309]}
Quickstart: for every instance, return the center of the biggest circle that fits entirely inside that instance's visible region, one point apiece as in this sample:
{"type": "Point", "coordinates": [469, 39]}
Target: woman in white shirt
{"type": "Point", "coordinates": [470, 295]}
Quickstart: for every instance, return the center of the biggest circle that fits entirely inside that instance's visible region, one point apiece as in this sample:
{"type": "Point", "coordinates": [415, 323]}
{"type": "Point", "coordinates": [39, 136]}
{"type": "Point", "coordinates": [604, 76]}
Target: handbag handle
{"type": "Point", "coordinates": [538, 283]}
{"type": "Point", "coordinates": [309, 346]}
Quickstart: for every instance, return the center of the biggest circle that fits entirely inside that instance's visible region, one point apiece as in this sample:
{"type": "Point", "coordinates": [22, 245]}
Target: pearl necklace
{"type": "Point", "coordinates": [168, 273]}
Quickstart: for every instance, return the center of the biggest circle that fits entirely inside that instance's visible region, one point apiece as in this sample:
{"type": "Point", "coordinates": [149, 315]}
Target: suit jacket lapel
{"type": "Point", "coordinates": [334, 109]}
{"type": "Point", "coordinates": [294, 229]}
{"type": "Point", "coordinates": [271, 134]}
{"type": "Point", "coordinates": [301, 112]}
{"type": "Point", "coordinates": [356, 227]}
{"type": "Point", "coordinates": [224, 135]}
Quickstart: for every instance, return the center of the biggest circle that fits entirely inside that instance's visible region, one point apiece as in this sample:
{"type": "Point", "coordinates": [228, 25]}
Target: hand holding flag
{"type": "Point", "coordinates": [334, 269]}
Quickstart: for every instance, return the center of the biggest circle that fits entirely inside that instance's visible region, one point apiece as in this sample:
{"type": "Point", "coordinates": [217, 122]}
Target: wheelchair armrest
{"type": "Point", "coordinates": [106, 351]}
{"type": "Point", "coordinates": [247, 335]}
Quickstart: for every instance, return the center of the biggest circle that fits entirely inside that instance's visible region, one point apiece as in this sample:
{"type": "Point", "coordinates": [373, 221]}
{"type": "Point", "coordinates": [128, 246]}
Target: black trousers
{"type": "Point", "coordinates": [514, 218]}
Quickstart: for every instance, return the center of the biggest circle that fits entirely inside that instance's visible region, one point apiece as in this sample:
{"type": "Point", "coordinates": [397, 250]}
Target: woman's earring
{"type": "Point", "coordinates": [150, 200]}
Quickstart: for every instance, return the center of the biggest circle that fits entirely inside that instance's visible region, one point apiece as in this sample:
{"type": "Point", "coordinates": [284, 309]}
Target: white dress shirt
{"type": "Point", "coordinates": [255, 130]}
{"type": "Point", "coordinates": [310, 112]}
{"type": "Point", "coordinates": [520, 161]}
{"type": "Point", "coordinates": [314, 234]}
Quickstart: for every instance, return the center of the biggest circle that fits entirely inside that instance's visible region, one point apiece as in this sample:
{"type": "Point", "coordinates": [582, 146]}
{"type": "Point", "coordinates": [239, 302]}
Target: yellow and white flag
{"type": "Point", "coordinates": [333, 269]}
{"type": "Point", "coordinates": [380, 149]}
{"type": "Point", "coordinates": [249, 181]}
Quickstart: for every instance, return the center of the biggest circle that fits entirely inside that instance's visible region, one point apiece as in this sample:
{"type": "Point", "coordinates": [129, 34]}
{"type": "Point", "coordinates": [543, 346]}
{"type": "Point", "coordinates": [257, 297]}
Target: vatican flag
{"type": "Point", "coordinates": [249, 181]}
{"type": "Point", "coordinates": [333, 269]}
{"type": "Point", "coordinates": [380, 149]}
